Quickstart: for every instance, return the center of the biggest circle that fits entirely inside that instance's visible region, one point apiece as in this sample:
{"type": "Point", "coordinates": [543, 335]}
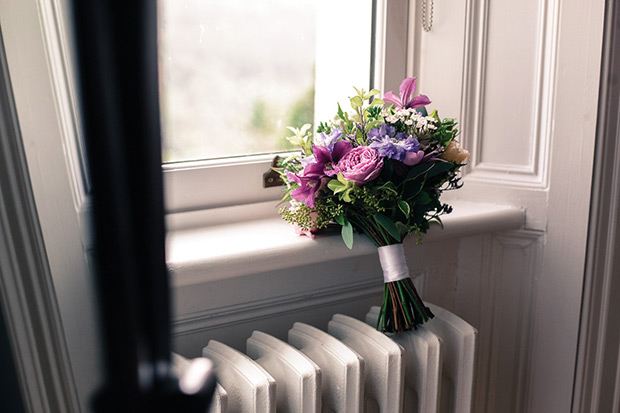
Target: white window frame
{"type": "Point", "coordinates": [211, 184]}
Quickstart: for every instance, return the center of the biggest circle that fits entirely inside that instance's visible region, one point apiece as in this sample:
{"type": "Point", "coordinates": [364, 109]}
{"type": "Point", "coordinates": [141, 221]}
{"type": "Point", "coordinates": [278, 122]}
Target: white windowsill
{"type": "Point", "coordinates": [208, 251]}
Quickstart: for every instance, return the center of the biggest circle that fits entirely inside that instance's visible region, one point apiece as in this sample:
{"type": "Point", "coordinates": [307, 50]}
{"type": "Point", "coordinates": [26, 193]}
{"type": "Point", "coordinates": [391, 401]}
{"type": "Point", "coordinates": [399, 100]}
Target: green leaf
{"type": "Point", "coordinates": [377, 101]}
{"type": "Point", "coordinates": [440, 168]}
{"type": "Point", "coordinates": [388, 169]}
{"type": "Point", "coordinates": [347, 234]}
{"type": "Point", "coordinates": [403, 229]}
{"type": "Point", "coordinates": [412, 187]}
{"type": "Point", "coordinates": [340, 219]}
{"type": "Point", "coordinates": [336, 186]}
{"type": "Point", "coordinates": [287, 197]}
{"type": "Point", "coordinates": [345, 195]}
{"type": "Point", "coordinates": [341, 179]}
{"type": "Point", "coordinates": [304, 128]}
{"type": "Point", "coordinates": [374, 124]}
{"type": "Point", "coordinates": [356, 102]}
{"type": "Point", "coordinates": [388, 225]}
{"type": "Point", "coordinates": [439, 221]}
{"type": "Point", "coordinates": [418, 170]}
{"type": "Point", "coordinates": [389, 186]}
{"type": "Point", "coordinates": [340, 113]}
{"type": "Point", "coordinates": [423, 198]}
{"type": "Point", "coordinates": [404, 207]}
{"type": "Point", "coordinates": [373, 92]}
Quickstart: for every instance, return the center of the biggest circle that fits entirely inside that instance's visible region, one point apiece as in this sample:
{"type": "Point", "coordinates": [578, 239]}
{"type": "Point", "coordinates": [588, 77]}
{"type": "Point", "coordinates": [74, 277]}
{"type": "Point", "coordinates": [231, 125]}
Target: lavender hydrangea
{"type": "Point", "coordinates": [391, 144]}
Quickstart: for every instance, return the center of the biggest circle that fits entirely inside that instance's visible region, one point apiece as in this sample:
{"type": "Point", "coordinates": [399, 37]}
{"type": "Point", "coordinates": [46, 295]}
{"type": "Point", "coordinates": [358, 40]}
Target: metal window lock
{"type": "Point", "coordinates": [272, 178]}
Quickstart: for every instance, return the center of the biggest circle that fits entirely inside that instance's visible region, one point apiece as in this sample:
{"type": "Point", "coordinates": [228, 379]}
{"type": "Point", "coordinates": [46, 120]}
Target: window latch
{"type": "Point", "coordinates": [272, 178]}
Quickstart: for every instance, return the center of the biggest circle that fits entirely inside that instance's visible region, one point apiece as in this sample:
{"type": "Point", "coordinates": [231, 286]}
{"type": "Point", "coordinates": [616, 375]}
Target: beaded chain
{"type": "Point", "coordinates": [425, 26]}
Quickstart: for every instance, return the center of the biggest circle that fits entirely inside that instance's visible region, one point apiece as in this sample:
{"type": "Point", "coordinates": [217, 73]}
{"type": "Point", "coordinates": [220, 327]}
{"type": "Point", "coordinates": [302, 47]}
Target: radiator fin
{"type": "Point", "coordinates": [250, 388]}
{"type": "Point", "coordinates": [459, 339]}
{"type": "Point", "coordinates": [422, 366]}
{"type": "Point", "coordinates": [298, 379]}
{"type": "Point", "coordinates": [343, 368]}
{"type": "Point", "coordinates": [385, 369]}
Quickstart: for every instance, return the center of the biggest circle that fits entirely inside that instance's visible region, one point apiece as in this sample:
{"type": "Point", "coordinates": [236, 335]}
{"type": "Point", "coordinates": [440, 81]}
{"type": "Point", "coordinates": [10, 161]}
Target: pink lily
{"type": "Point", "coordinates": [405, 101]}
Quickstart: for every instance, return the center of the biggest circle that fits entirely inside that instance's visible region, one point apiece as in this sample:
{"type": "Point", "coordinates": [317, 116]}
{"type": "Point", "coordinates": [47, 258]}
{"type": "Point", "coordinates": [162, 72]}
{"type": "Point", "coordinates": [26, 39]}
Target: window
{"type": "Point", "coordinates": [234, 74]}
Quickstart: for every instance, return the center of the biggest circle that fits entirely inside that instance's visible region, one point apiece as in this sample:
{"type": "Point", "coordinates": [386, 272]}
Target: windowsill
{"type": "Point", "coordinates": [204, 252]}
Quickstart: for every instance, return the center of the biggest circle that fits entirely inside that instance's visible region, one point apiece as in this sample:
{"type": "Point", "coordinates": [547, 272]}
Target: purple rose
{"type": "Point", "coordinates": [360, 165]}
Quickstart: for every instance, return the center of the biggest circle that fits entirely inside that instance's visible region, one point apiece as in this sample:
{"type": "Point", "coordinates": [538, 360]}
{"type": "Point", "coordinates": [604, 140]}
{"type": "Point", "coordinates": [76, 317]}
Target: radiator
{"type": "Point", "coordinates": [351, 367]}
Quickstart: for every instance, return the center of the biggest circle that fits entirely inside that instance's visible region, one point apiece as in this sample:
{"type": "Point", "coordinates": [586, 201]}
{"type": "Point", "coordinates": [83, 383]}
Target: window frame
{"type": "Point", "coordinates": [210, 184]}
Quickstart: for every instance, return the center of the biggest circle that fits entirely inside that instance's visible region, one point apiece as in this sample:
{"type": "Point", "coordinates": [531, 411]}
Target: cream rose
{"type": "Point", "coordinates": [454, 153]}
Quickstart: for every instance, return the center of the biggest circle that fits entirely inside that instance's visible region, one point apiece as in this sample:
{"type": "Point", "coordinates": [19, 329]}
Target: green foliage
{"type": "Point", "coordinates": [347, 234]}
{"type": "Point", "coordinates": [342, 188]}
{"type": "Point", "coordinates": [324, 127]}
{"type": "Point", "coordinates": [302, 137]}
{"type": "Point", "coordinates": [388, 225]}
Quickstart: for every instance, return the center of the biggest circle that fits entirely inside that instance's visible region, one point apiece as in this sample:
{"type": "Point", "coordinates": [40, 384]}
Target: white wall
{"type": "Point", "coordinates": [523, 79]}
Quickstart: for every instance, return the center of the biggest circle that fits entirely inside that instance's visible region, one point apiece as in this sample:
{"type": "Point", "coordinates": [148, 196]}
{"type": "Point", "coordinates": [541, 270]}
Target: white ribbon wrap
{"type": "Point", "coordinates": [393, 263]}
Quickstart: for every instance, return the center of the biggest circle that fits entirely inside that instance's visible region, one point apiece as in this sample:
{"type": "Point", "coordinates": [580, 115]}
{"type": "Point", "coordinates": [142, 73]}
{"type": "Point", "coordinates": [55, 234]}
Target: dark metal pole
{"type": "Point", "coordinates": [116, 45]}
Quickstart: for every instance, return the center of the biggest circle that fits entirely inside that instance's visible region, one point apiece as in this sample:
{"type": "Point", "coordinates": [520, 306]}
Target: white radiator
{"type": "Point", "coordinates": [350, 368]}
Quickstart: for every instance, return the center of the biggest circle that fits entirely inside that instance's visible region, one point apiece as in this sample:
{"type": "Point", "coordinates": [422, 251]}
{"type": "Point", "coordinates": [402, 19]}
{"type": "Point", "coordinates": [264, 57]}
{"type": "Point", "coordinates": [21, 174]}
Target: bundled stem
{"type": "Point", "coordinates": [402, 308]}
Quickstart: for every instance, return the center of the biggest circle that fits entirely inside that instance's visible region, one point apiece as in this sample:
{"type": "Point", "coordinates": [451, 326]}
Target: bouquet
{"type": "Point", "coordinates": [379, 171]}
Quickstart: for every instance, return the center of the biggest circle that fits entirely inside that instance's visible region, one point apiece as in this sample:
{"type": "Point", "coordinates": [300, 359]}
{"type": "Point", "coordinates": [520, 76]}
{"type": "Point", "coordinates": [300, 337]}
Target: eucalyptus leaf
{"type": "Point", "coordinates": [347, 234]}
{"type": "Point", "coordinates": [388, 225]}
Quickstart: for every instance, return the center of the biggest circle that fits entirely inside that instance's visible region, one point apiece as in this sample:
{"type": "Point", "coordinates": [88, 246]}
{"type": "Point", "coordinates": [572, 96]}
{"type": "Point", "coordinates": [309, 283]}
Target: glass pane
{"type": "Point", "coordinates": [234, 74]}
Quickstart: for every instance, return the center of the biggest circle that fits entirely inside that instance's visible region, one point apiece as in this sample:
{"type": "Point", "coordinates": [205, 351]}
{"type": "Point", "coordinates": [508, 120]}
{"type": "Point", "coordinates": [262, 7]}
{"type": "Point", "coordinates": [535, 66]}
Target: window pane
{"type": "Point", "coordinates": [235, 73]}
